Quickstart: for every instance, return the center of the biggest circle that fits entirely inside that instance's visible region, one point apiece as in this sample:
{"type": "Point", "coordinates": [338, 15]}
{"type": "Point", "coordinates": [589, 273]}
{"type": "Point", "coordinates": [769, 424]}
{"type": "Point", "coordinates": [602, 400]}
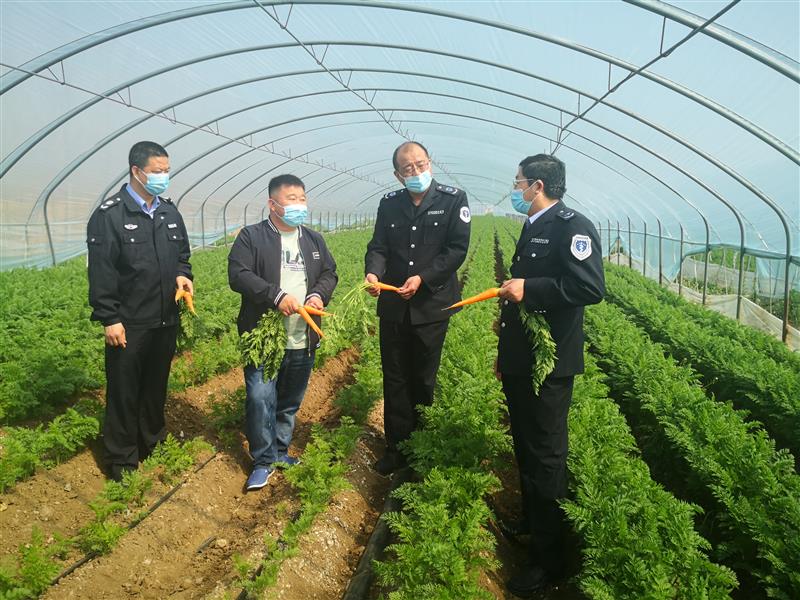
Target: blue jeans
{"type": "Point", "coordinates": [271, 405]}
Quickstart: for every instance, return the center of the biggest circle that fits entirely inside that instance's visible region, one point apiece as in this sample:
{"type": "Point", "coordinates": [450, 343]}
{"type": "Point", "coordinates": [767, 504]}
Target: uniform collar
{"type": "Point", "coordinates": [141, 203]}
{"type": "Point", "coordinates": [427, 200]}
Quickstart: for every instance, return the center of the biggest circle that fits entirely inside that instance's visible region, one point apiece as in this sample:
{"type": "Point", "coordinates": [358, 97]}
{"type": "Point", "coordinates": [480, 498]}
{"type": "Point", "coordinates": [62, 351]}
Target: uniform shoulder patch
{"type": "Point", "coordinates": [447, 189]}
{"type": "Point", "coordinates": [464, 214]}
{"type": "Point", "coordinates": [167, 200]}
{"type": "Point", "coordinates": [392, 194]}
{"type": "Point", "coordinates": [565, 213]}
{"type": "Point", "coordinates": [109, 203]}
{"type": "Point", "coordinates": [581, 246]}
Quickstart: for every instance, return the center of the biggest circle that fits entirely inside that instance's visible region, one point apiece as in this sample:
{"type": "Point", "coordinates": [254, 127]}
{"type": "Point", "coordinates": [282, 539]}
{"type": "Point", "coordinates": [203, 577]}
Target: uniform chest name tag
{"type": "Point", "coordinates": [540, 240]}
{"type": "Point", "coordinates": [172, 225]}
{"type": "Point", "coordinates": [464, 214]}
{"type": "Point", "coordinates": [581, 246]}
{"type": "Point", "coordinates": [130, 226]}
{"type": "Point", "coordinates": [435, 212]}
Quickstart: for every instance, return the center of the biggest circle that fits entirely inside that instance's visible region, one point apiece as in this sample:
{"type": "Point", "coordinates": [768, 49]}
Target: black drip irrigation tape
{"type": "Point", "coordinates": [361, 581]}
{"type": "Point", "coordinates": [82, 561]}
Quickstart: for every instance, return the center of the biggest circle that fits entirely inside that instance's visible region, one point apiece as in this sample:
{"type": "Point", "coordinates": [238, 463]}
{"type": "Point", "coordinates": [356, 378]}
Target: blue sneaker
{"type": "Point", "coordinates": [284, 460]}
{"type": "Point", "coordinates": [258, 478]}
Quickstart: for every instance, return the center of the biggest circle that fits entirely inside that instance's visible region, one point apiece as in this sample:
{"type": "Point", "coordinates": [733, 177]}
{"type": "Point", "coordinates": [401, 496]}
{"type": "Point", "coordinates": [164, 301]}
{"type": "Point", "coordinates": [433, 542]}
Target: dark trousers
{"type": "Point", "coordinates": [136, 390]}
{"type": "Point", "coordinates": [410, 357]}
{"type": "Point", "coordinates": [539, 429]}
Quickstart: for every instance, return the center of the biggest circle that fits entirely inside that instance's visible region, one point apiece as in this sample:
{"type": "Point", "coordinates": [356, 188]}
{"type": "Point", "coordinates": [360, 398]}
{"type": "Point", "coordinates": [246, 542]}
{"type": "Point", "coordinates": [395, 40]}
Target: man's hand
{"type": "Point", "coordinates": [289, 305]}
{"type": "Point", "coordinates": [372, 291]}
{"type": "Point", "coordinates": [410, 287]}
{"type": "Point", "coordinates": [513, 289]}
{"type": "Point", "coordinates": [115, 335]}
{"type": "Point", "coordinates": [184, 283]}
{"type": "Point", "coordinates": [315, 302]}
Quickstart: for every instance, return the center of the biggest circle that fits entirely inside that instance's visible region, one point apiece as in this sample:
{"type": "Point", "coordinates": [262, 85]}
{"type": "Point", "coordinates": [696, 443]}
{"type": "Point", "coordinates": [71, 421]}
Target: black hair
{"type": "Point", "coordinates": [550, 170]}
{"type": "Point", "coordinates": [403, 145]}
{"type": "Point", "coordinates": [279, 181]}
{"type": "Point", "coordinates": [141, 152]}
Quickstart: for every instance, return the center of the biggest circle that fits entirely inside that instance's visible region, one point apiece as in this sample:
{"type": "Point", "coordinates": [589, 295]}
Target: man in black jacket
{"type": "Point", "coordinates": [279, 265]}
{"type": "Point", "coordinates": [556, 270]}
{"type": "Point", "coordinates": [420, 239]}
{"type": "Point", "coordinates": [138, 256]}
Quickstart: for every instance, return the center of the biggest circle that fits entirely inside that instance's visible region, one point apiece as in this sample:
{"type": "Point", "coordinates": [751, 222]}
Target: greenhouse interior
{"type": "Point", "coordinates": [679, 127]}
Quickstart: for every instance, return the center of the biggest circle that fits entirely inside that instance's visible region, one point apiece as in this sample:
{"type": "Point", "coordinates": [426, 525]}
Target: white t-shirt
{"type": "Point", "coordinates": [293, 281]}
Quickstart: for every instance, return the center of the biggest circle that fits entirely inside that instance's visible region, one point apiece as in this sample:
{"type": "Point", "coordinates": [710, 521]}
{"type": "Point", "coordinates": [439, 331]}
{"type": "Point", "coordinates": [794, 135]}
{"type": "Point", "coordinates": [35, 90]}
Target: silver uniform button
{"type": "Point", "coordinates": [411, 263]}
{"type": "Point", "coordinates": [436, 224]}
{"type": "Point", "coordinates": [412, 245]}
{"type": "Point", "coordinates": [162, 216]}
{"type": "Point", "coordinates": [413, 228]}
{"type": "Point", "coordinates": [505, 301]}
{"type": "Point", "coordinates": [132, 239]}
{"type": "Point", "coordinates": [392, 225]}
{"type": "Point", "coordinates": [503, 324]}
{"type": "Point", "coordinates": [533, 255]}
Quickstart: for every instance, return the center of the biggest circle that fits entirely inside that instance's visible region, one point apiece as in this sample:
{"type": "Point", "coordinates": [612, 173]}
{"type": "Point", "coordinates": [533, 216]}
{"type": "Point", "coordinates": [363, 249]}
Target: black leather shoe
{"type": "Point", "coordinates": [513, 528]}
{"type": "Point", "coordinates": [526, 583]}
{"type": "Point", "coordinates": [389, 463]}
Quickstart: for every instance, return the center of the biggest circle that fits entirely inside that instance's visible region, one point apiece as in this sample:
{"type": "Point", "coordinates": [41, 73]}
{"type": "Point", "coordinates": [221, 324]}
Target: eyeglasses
{"type": "Point", "coordinates": [516, 182]}
{"type": "Point", "coordinates": [413, 168]}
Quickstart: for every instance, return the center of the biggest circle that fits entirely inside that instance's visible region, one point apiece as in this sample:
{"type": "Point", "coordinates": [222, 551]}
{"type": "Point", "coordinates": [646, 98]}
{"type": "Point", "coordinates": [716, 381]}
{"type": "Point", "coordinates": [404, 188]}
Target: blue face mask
{"type": "Point", "coordinates": [156, 184]}
{"type": "Point", "coordinates": [418, 183]}
{"type": "Point", "coordinates": [519, 203]}
{"type": "Point", "coordinates": [294, 214]}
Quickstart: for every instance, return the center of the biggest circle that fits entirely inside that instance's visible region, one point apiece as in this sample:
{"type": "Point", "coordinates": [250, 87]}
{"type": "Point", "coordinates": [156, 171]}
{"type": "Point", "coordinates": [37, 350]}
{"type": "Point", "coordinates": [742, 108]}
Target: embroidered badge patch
{"type": "Point", "coordinates": [130, 226]}
{"type": "Point", "coordinates": [581, 246]}
{"type": "Point", "coordinates": [464, 214]}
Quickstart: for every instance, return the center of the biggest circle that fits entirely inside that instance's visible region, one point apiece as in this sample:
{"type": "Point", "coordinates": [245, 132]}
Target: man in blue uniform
{"type": "Point", "coordinates": [138, 256]}
{"type": "Point", "coordinates": [420, 239]}
{"type": "Point", "coordinates": [556, 270]}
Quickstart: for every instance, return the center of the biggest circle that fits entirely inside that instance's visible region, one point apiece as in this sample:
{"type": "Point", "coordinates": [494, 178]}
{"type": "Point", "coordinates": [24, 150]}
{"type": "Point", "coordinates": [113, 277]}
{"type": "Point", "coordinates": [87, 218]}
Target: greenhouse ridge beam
{"type": "Point", "coordinates": [630, 114]}
{"type": "Point", "coordinates": [722, 34]}
{"type": "Point", "coordinates": [640, 70]}
{"type": "Point", "coordinates": [19, 74]}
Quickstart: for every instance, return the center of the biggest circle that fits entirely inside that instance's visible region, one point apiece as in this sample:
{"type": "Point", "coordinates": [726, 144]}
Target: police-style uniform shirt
{"type": "Point", "coordinates": [134, 258]}
{"type": "Point", "coordinates": [429, 240]}
{"type": "Point", "coordinates": [560, 258]}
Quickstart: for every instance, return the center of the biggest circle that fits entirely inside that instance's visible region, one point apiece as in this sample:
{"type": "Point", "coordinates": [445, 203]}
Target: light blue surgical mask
{"type": "Point", "coordinates": [418, 183]}
{"type": "Point", "coordinates": [294, 214]}
{"type": "Point", "coordinates": [519, 203]}
{"type": "Point", "coordinates": [156, 184]}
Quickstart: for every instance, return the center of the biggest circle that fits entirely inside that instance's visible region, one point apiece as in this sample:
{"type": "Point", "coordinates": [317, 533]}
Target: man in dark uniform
{"type": "Point", "coordinates": [420, 239]}
{"type": "Point", "coordinates": [138, 257]}
{"type": "Point", "coordinates": [557, 270]}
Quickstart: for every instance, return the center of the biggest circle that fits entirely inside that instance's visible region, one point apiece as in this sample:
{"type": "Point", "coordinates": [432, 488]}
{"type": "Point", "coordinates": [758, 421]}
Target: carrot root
{"type": "Point", "coordinates": [385, 287]}
{"type": "Point", "coordinates": [301, 310]}
{"type": "Point", "coordinates": [490, 293]}
{"type": "Point", "coordinates": [315, 311]}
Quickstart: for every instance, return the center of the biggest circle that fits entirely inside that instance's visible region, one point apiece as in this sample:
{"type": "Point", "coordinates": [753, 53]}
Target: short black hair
{"type": "Point", "coordinates": [403, 145]}
{"type": "Point", "coordinates": [550, 170]}
{"type": "Point", "coordinates": [141, 152]}
{"type": "Point", "coordinates": [281, 180]}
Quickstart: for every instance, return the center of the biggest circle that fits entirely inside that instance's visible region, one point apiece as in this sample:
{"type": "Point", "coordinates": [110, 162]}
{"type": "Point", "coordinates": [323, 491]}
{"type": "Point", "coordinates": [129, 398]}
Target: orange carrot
{"type": "Point", "coordinates": [490, 293]}
{"type": "Point", "coordinates": [304, 313]}
{"type": "Point", "coordinates": [315, 311]}
{"type": "Point", "coordinates": [187, 297]}
{"type": "Point", "coordinates": [384, 287]}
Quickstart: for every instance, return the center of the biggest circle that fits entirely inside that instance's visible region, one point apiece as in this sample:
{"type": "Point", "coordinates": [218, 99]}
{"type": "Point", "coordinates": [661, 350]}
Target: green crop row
{"type": "Point", "coordinates": [705, 451]}
{"type": "Point", "coordinates": [770, 391]}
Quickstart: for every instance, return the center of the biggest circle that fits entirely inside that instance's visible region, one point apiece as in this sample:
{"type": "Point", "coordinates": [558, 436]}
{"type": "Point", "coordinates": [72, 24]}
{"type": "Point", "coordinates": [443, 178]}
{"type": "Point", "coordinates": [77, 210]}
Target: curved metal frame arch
{"type": "Point", "coordinates": [12, 79]}
{"type": "Point", "coordinates": [662, 130]}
